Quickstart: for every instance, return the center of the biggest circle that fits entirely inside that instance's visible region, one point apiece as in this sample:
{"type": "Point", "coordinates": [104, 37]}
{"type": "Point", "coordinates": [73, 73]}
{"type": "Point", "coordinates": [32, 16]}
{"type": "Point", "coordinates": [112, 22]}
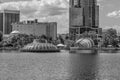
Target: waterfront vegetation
{"type": "Point", "coordinates": [90, 34]}
{"type": "Point", "coordinates": [20, 40]}
{"type": "Point", "coordinates": [17, 41]}
{"type": "Point", "coordinates": [110, 38]}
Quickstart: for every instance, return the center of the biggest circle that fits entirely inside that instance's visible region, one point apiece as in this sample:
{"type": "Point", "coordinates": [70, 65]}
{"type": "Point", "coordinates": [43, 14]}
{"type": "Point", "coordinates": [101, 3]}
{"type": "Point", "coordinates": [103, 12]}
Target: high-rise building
{"type": "Point", "coordinates": [7, 17]}
{"type": "Point", "coordinates": [83, 16]}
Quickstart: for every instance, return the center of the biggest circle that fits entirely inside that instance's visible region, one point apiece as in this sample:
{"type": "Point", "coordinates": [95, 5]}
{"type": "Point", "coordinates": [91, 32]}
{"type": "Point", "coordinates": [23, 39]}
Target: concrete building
{"type": "Point", "coordinates": [83, 16]}
{"type": "Point", "coordinates": [7, 17]}
{"type": "Point", "coordinates": [37, 28]}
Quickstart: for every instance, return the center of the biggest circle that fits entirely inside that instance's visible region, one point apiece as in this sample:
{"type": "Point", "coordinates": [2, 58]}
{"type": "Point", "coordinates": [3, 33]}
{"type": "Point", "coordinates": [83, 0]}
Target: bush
{"type": "Point", "coordinates": [18, 40]}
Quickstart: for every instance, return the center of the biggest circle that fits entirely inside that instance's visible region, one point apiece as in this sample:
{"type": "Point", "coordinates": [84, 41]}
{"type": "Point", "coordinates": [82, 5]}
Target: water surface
{"type": "Point", "coordinates": [59, 66]}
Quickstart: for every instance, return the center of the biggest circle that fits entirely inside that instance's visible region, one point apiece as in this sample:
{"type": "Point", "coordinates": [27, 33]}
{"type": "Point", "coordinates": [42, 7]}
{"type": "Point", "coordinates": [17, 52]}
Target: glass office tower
{"type": "Point", "coordinates": [83, 16]}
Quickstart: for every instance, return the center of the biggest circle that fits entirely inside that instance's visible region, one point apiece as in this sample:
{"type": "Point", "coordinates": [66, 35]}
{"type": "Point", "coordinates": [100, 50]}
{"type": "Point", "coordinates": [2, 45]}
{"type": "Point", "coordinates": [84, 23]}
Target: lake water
{"type": "Point", "coordinates": [59, 66]}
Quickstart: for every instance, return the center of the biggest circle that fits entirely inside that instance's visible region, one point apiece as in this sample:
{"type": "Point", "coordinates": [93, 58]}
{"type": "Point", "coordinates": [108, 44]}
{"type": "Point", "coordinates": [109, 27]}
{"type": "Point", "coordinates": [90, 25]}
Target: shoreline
{"type": "Point", "coordinates": [8, 48]}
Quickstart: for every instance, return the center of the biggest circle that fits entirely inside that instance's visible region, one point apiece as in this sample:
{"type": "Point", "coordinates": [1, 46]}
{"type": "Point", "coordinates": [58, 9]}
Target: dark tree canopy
{"type": "Point", "coordinates": [90, 34]}
{"type": "Point", "coordinates": [109, 38]}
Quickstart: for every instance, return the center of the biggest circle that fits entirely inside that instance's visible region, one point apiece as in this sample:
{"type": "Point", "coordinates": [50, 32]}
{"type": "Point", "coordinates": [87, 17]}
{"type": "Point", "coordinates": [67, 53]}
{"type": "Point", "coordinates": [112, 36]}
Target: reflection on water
{"type": "Point", "coordinates": [83, 67]}
{"type": "Point", "coordinates": [59, 66]}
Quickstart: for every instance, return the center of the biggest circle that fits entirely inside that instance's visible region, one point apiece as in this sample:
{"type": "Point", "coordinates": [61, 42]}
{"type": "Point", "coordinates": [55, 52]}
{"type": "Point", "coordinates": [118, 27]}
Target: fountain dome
{"type": "Point", "coordinates": [84, 43]}
{"type": "Point", "coordinates": [36, 46]}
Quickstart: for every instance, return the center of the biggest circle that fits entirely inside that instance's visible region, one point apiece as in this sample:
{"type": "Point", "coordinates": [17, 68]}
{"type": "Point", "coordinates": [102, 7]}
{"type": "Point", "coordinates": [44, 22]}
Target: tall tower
{"type": "Point", "coordinates": [83, 16]}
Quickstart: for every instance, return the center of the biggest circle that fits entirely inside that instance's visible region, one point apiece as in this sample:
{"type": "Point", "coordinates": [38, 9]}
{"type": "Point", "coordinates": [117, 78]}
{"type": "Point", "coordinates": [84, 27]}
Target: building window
{"type": "Point", "coordinates": [77, 3]}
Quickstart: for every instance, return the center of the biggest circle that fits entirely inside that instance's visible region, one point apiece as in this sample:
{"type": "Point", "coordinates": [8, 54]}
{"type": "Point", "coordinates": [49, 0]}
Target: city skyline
{"type": "Point", "coordinates": [57, 10]}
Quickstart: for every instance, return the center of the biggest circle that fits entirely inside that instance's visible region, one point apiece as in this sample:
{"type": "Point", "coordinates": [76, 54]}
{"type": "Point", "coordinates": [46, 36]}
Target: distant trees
{"type": "Point", "coordinates": [19, 40]}
{"type": "Point", "coordinates": [90, 34]}
{"type": "Point", "coordinates": [109, 38]}
{"type": "Point", "coordinates": [61, 39]}
{"type": "Point", "coordinates": [43, 36]}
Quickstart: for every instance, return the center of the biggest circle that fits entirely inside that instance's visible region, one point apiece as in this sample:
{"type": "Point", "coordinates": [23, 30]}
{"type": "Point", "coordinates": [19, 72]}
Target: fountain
{"type": "Point", "coordinates": [36, 46]}
{"type": "Point", "coordinates": [83, 45]}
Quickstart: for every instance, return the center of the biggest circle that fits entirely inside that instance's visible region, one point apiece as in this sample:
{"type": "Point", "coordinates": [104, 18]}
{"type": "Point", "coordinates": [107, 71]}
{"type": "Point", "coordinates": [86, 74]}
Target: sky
{"type": "Point", "coordinates": [57, 11]}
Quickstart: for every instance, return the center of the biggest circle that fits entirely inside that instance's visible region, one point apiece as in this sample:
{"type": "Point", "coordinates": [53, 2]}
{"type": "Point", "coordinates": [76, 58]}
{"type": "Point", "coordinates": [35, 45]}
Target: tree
{"type": "Point", "coordinates": [44, 36]}
{"type": "Point", "coordinates": [109, 37]}
{"type": "Point", "coordinates": [90, 34]}
{"type": "Point", "coordinates": [61, 39]}
{"type": "Point", "coordinates": [18, 40]}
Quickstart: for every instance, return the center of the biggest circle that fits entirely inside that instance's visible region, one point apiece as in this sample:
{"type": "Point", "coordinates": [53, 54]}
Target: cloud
{"type": "Point", "coordinates": [114, 14]}
{"type": "Point", "coordinates": [43, 7]}
{"type": "Point", "coordinates": [117, 27]}
{"type": "Point", "coordinates": [44, 10]}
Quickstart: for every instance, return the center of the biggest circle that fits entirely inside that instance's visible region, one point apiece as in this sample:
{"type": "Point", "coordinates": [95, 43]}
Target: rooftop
{"type": "Point", "coordinates": [33, 22]}
{"type": "Point", "coordinates": [10, 11]}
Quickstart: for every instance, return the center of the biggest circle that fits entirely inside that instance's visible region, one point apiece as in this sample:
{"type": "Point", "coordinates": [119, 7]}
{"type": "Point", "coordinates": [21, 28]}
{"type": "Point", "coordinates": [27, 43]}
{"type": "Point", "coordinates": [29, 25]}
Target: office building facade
{"type": "Point", "coordinates": [83, 16]}
{"type": "Point", "coordinates": [7, 17]}
{"type": "Point", "coordinates": [37, 28]}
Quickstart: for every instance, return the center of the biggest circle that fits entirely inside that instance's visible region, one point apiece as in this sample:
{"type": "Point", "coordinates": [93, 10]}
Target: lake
{"type": "Point", "coordinates": [59, 66]}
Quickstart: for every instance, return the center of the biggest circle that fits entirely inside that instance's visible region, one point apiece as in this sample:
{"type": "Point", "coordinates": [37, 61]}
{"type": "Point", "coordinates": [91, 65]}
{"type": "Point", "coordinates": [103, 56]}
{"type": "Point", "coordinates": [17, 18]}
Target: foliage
{"type": "Point", "coordinates": [90, 34]}
{"type": "Point", "coordinates": [61, 39]}
{"type": "Point", "coordinates": [18, 40]}
{"type": "Point", "coordinates": [43, 36]}
{"type": "Point", "coordinates": [109, 38]}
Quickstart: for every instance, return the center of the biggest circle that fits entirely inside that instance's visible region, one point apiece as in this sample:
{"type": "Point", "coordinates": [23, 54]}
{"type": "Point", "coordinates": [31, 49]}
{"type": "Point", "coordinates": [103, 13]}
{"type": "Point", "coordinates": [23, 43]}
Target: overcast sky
{"type": "Point", "coordinates": [57, 10]}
